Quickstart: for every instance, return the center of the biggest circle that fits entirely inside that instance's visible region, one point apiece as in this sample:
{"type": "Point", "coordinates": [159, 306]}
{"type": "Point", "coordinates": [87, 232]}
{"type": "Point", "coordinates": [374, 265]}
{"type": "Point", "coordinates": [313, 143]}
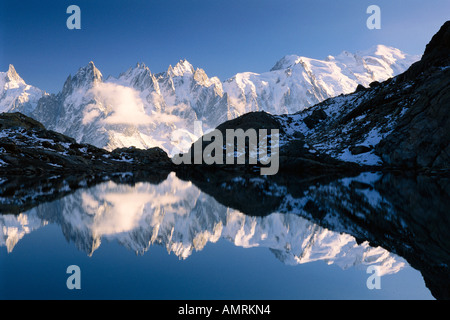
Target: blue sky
{"type": "Point", "coordinates": [222, 37]}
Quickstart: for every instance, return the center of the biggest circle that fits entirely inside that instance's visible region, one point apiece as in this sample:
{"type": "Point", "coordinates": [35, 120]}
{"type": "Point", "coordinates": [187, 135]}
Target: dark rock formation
{"type": "Point", "coordinates": [422, 137]}
{"type": "Point", "coordinates": [314, 118]}
{"type": "Point", "coordinates": [359, 149]}
{"type": "Point", "coordinates": [293, 155]}
{"type": "Point", "coordinates": [27, 148]}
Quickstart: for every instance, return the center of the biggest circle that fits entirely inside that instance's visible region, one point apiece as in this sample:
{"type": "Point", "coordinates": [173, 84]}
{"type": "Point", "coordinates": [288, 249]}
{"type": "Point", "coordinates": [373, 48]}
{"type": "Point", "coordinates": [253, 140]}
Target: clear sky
{"type": "Point", "coordinates": [223, 37]}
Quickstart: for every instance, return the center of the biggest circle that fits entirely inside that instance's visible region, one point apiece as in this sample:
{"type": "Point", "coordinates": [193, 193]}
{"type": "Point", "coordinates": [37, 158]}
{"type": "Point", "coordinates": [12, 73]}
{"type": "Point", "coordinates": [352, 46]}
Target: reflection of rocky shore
{"type": "Point", "coordinates": [422, 205]}
{"type": "Point", "coordinates": [410, 219]}
{"type": "Point", "coordinates": [21, 193]}
{"type": "Point", "coordinates": [342, 220]}
{"type": "Point", "coordinates": [407, 215]}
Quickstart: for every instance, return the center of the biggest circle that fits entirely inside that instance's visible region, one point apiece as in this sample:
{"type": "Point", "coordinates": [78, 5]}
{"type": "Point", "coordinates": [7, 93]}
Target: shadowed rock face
{"type": "Point", "coordinates": [436, 54]}
{"type": "Point", "coordinates": [422, 138]}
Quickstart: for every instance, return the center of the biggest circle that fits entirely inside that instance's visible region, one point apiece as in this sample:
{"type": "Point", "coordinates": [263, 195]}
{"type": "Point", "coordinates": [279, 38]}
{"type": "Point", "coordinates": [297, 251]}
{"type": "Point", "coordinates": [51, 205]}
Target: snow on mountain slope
{"type": "Point", "coordinates": [357, 127]}
{"type": "Point", "coordinates": [15, 94]}
{"type": "Point", "coordinates": [295, 82]}
{"type": "Point", "coordinates": [143, 109]}
{"type": "Point", "coordinates": [175, 214]}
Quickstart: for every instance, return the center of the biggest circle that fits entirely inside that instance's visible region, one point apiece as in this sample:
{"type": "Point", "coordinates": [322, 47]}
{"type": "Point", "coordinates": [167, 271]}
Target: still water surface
{"type": "Point", "coordinates": [174, 241]}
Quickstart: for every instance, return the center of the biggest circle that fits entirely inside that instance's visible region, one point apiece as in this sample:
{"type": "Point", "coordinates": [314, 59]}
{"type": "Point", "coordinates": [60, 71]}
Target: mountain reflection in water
{"type": "Point", "coordinates": [370, 219]}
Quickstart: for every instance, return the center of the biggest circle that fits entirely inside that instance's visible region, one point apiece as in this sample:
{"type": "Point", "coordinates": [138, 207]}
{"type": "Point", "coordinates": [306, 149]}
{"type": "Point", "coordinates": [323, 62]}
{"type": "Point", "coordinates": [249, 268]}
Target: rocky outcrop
{"type": "Point", "coordinates": [436, 54]}
{"type": "Point", "coordinates": [27, 148]}
{"type": "Point", "coordinates": [293, 153]}
{"type": "Point", "coordinates": [422, 137]}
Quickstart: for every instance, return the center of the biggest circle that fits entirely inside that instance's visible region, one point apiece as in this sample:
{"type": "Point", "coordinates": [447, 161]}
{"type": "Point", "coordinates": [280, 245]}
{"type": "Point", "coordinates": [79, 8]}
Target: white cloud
{"type": "Point", "coordinates": [90, 114]}
{"type": "Point", "coordinates": [123, 105]}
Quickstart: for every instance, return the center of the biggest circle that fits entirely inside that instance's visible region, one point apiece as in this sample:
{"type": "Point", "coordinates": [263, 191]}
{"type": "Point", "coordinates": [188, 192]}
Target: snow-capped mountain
{"type": "Point", "coordinates": [177, 215]}
{"type": "Point", "coordinates": [143, 109]}
{"type": "Point", "coordinates": [16, 95]}
{"type": "Point", "coordinates": [136, 109]}
{"type": "Point", "coordinates": [295, 82]}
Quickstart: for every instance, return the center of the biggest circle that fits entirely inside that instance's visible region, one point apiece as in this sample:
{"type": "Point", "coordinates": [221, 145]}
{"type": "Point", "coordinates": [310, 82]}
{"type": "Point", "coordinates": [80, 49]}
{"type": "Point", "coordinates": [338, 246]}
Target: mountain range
{"type": "Point", "coordinates": [143, 109]}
